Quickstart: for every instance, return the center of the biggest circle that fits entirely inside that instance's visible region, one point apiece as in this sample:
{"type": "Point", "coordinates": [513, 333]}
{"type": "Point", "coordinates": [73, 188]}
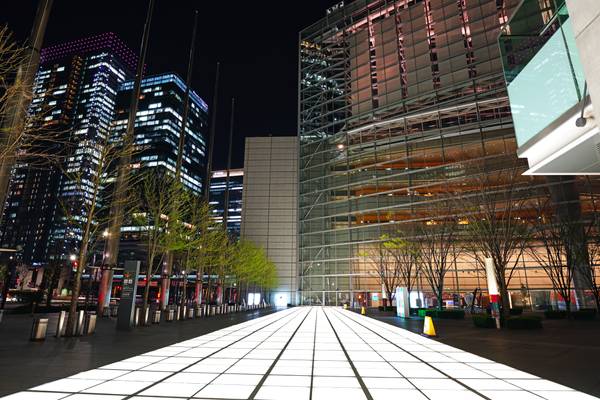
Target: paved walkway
{"type": "Point", "coordinates": [306, 353]}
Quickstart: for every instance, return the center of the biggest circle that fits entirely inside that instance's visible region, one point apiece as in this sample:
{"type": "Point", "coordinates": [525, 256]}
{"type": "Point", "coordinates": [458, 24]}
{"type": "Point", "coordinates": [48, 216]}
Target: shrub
{"type": "Point", "coordinates": [555, 314]}
{"type": "Point", "coordinates": [586, 314]}
{"type": "Point", "coordinates": [483, 321]}
{"type": "Point", "coordinates": [516, 311]}
{"type": "Point", "coordinates": [529, 322]}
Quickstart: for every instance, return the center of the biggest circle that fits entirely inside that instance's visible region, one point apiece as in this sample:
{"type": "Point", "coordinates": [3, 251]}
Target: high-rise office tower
{"type": "Point", "coordinates": [218, 188]}
{"type": "Point", "coordinates": [158, 126]}
{"type": "Point", "coordinates": [402, 105]}
{"type": "Point", "coordinates": [156, 136]}
{"type": "Point", "coordinates": [73, 104]}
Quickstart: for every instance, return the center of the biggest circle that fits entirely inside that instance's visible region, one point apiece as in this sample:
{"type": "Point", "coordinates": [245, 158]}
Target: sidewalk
{"type": "Point", "coordinates": [566, 352]}
{"type": "Point", "coordinates": [24, 364]}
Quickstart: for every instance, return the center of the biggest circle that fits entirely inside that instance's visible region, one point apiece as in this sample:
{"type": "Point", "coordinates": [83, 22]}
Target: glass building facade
{"type": "Point", "coordinates": [74, 97]}
{"type": "Point", "coordinates": [401, 102]}
{"type": "Point", "coordinates": [158, 127]}
{"type": "Point", "coordinates": [218, 187]}
{"type": "Point", "coordinates": [541, 61]}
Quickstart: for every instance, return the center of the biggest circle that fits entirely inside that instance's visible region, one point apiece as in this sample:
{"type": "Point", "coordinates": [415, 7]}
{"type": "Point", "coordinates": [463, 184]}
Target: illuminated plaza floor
{"type": "Point", "coordinates": [305, 353]}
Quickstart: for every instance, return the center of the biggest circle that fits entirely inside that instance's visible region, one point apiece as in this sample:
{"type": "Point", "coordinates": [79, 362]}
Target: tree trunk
{"type": "Point", "coordinates": [505, 312]}
{"type": "Point", "coordinates": [75, 293]}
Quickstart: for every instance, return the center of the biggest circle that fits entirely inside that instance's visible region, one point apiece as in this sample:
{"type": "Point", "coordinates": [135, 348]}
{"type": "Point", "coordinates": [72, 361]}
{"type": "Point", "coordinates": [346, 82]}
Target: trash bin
{"type": "Point", "coordinates": [170, 315]}
{"type": "Point", "coordinates": [90, 323]}
{"type": "Point", "coordinates": [156, 317]}
{"type": "Point", "coordinates": [39, 328]}
{"type": "Point", "coordinates": [190, 313]}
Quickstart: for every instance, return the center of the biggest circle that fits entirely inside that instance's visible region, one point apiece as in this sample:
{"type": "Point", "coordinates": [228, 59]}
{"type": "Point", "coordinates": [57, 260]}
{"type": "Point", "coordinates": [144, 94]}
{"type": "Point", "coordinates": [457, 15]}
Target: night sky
{"type": "Point", "coordinates": [255, 41]}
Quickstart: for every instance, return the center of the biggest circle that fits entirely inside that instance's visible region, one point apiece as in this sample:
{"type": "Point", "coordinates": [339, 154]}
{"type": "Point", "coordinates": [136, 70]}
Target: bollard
{"type": "Point", "coordinates": [90, 324]}
{"type": "Point", "coordinates": [136, 317]}
{"type": "Point", "coordinates": [363, 310]}
{"type": "Point", "coordinates": [156, 317]}
{"type": "Point", "coordinates": [105, 312]}
{"type": "Point", "coordinates": [198, 311]}
{"type": "Point", "coordinates": [38, 329]}
{"type": "Point", "coordinates": [190, 313]}
{"type": "Point", "coordinates": [61, 324]}
{"type": "Point", "coordinates": [80, 325]}
{"type": "Point", "coordinates": [114, 311]}
{"type": "Point", "coordinates": [1, 315]}
{"type": "Point", "coordinates": [170, 315]}
{"type": "Point", "coordinates": [177, 313]}
{"type": "Point", "coordinates": [205, 310]}
{"type": "Point", "coordinates": [184, 313]}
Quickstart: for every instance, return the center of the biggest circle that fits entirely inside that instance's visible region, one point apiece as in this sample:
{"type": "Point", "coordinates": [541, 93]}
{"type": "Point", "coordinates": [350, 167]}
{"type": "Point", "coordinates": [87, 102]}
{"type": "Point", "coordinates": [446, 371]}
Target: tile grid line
{"type": "Point", "coordinates": [418, 358]}
{"type": "Point", "coordinates": [153, 363]}
{"type": "Point", "coordinates": [252, 349]}
{"type": "Point", "coordinates": [312, 367]}
{"type": "Point", "coordinates": [377, 352]}
{"type": "Point", "coordinates": [386, 327]}
{"type": "Point", "coordinates": [358, 377]}
{"type": "Point", "coordinates": [266, 375]}
{"type": "Point", "coordinates": [203, 358]}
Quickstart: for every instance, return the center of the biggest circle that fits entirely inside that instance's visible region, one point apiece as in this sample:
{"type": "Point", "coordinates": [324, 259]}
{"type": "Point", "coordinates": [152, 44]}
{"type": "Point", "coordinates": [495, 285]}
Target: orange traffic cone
{"type": "Point", "coordinates": [428, 328]}
{"type": "Point", "coordinates": [363, 310]}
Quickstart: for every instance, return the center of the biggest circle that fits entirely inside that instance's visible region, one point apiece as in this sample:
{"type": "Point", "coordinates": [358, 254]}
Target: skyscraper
{"type": "Point", "coordinates": [156, 136]}
{"type": "Point", "coordinates": [73, 103]}
{"type": "Point", "coordinates": [218, 187]}
{"type": "Point", "coordinates": [403, 105]}
{"type": "Point", "coordinates": [158, 126]}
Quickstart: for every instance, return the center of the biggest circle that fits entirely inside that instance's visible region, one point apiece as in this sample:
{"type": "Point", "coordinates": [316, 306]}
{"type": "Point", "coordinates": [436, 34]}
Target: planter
{"type": "Point", "coordinates": [555, 314]}
{"type": "Point", "coordinates": [442, 314]}
{"type": "Point", "coordinates": [584, 314]}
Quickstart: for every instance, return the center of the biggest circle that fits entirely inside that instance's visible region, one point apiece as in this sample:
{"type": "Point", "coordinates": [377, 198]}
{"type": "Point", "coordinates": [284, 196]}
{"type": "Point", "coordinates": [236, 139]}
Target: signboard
{"type": "Point", "coordinates": [402, 303]}
{"type": "Point", "coordinates": [125, 319]}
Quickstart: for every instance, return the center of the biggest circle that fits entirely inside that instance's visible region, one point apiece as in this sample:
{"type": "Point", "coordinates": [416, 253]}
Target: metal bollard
{"type": "Point", "coordinates": [184, 313]}
{"type": "Point", "coordinates": [170, 315]}
{"type": "Point", "coordinates": [90, 324]}
{"type": "Point", "coordinates": [80, 326]}
{"type": "Point", "coordinates": [114, 311]}
{"type": "Point", "coordinates": [198, 311]}
{"type": "Point", "coordinates": [106, 312]}
{"type": "Point", "coordinates": [38, 329]}
{"type": "Point", "coordinates": [61, 324]}
{"type": "Point", "coordinates": [177, 313]}
{"type": "Point", "coordinates": [136, 317]}
{"type": "Point", "coordinates": [1, 315]}
{"type": "Point", "coordinates": [156, 317]}
{"type": "Point", "coordinates": [190, 313]}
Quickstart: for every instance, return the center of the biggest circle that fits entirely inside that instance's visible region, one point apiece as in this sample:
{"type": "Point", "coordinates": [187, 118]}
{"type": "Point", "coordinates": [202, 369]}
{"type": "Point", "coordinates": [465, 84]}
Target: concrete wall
{"type": "Point", "coordinates": [585, 16]}
{"type": "Point", "coordinates": [270, 203]}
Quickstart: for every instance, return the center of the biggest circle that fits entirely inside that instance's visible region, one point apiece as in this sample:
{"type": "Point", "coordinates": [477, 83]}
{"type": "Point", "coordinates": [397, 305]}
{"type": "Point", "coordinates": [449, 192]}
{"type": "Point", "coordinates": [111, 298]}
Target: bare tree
{"type": "Point", "coordinates": [552, 246]}
{"type": "Point", "coordinates": [89, 171]}
{"type": "Point", "coordinates": [385, 267]}
{"type": "Point", "coordinates": [151, 216]}
{"type": "Point", "coordinates": [439, 246]}
{"type": "Point", "coordinates": [495, 224]}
